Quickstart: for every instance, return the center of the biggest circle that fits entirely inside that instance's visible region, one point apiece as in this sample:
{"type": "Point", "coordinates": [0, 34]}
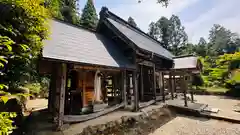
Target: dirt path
{"type": "Point", "coordinates": [36, 104]}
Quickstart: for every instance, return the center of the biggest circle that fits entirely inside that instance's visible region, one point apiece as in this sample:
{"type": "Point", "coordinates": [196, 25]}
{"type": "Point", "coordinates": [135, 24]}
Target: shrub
{"type": "Point", "coordinates": [34, 88]}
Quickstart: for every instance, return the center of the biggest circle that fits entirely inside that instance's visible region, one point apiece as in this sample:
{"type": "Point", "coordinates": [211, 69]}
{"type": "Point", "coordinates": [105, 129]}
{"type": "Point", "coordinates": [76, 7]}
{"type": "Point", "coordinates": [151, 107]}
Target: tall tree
{"type": "Point", "coordinates": [222, 40]}
{"type": "Point", "coordinates": [160, 31]}
{"type": "Point", "coordinates": [64, 10]}
{"type": "Point", "coordinates": [131, 21]}
{"type": "Point", "coordinates": [170, 33]}
{"type": "Point", "coordinates": [89, 16]}
{"type": "Point", "coordinates": [178, 36]}
{"type": "Point", "coordinates": [201, 47]}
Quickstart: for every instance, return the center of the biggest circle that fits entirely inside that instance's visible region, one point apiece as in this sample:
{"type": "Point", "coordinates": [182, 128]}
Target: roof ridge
{"type": "Point", "coordinates": [122, 21]}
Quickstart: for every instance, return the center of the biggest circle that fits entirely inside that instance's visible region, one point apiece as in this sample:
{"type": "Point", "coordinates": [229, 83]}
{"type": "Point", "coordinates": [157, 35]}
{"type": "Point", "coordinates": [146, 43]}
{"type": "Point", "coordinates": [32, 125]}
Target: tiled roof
{"type": "Point", "coordinates": [138, 37]}
{"type": "Point", "coordinates": [74, 44]}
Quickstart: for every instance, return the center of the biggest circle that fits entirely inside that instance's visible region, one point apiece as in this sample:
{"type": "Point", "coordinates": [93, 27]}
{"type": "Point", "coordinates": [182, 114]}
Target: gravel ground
{"type": "Point", "coordinates": [221, 102]}
{"type": "Point", "coordinates": [183, 125]}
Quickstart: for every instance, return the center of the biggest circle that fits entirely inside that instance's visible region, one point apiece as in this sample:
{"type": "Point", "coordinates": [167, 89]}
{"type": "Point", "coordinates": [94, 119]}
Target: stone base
{"type": "Point", "coordinates": [142, 124]}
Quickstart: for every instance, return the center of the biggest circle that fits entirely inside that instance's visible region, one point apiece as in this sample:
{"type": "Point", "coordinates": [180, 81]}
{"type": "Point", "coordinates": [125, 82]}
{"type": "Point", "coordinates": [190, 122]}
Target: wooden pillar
{"type": "Point", "coordinates": [124, 88]}
{"type": "Point", "coordinates": [52, 91]}
{"type": "Point", "coordinates": [170, 84]}
{"type": "Point", "coordinates": [191, 88]}
{"type": "Point", "coordinates": [141, 82]}
{"type": "Point", "coordinates": [135, 91]}
{"type": "Point", "coordinates": [184, 90]}
{"type": "Point", "coordinates": [61, 88]}
{"type": "Point", "coordinates": [163, 87]}
{"type": "Point", "coordinates": [174, 82]}
{"type": "Point", "coordinates": [154, 83]}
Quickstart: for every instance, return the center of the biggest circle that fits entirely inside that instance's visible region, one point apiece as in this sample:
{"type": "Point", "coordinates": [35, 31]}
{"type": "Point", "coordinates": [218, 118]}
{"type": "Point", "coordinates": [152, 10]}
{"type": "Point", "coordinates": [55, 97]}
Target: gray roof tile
{"type": "Point", "coordinates": [70, 43]}
{"type": "Point", "coordinates": [141, 40]}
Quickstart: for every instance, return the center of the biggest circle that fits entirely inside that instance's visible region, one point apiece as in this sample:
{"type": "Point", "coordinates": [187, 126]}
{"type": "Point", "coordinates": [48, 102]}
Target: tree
{"type": "Point", "coordinates": [187, 49]}
{"type": "Point", "coordinates": [160, 31]}
{"type": "Point", "coordinates": [89, 16]}
{"type": "Point", "coordinates": [201, 47]}
{"type": "Point", "coordinates": [222, 40]}
{"type": "Point", "coordinates": [23, 26]}
{"type": "Point", "coordinates": [170, 33]}
{"type": "Point", "coordinates": [163, 2]}
{"type": "Point", "coordinates": [64, 10]}
{"type": "Point", "coordinates": [132, 22]}
{"type": "Point", "coordinates": [178, 36]}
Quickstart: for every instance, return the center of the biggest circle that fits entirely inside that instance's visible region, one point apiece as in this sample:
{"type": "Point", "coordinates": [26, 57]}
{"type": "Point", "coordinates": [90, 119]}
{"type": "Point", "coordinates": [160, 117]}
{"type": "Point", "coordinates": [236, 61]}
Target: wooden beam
{"type": "Point", "coordinates": [191, 88]}
{"type": "Point", "coordinates": [52, 91]}
{"type": "Point", "coordinates": [146, 63]}
{"type": "Point", "coordinates": [95, 68]}
{"type": "Point", "coordinates": [170, 85]}
{"type": "Point", "coordinates": [184, 90]}
{"type": "Point", "coordinates": [154, 83]}
{"type": "Point", "coordinates": [145, 104]}
{"type": "Point", "coordinates": [174, 82]}
{"type": "Point", "coordinates": [141, 82]}
{"type": "Point", "coordinates": [135, 91]}
{"type": "Point", "coordinates": [124, 88]}
{"type": "Point", "coordinates": [163, 87]}
{"type": "Point", "coordinates": [81, 118]}
{"type": "Point", "coordinates": [61, 88]}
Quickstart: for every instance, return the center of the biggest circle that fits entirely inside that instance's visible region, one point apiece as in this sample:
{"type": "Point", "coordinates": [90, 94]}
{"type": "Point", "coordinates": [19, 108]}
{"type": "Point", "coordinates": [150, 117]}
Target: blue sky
{"type": "Point", "coordinates": [198, 16]}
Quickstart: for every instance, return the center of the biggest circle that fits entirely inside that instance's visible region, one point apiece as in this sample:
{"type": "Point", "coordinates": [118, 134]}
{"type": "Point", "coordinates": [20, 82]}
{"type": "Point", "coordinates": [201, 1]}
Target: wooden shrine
{"type": "Point", "coordinates": [96, 72]}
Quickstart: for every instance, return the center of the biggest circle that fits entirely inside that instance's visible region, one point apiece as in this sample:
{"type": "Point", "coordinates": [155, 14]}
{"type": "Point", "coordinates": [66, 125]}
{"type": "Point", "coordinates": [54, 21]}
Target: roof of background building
{"type": "Point", "coordinates": [186, 62]}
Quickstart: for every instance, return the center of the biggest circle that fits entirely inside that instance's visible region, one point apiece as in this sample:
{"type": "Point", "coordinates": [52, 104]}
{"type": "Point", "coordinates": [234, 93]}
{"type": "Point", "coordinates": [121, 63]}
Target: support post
{"type": "Point", "coordinates": [61, 88]}
{"type": "Point", "coordinates": [174, 82]}
{"type": "Point", "coordinates": [163, 89]}
{"type": "Point", "coordinates": [141, 82]}
{"type": "Point", "coordinates": [154, 84]}
{"type": "Point", "coordinates": [124, 88]}
{"type": "Point", "coordinates": [170, 84]}
{"type": "Point", "coordinates": [52, 91]}
{"type": "Point", "coordinates": [191, 88]}
{"type": "Point", "coordinates": [184, 90]}
{"type": "Point", "coordinates": [135, 91]}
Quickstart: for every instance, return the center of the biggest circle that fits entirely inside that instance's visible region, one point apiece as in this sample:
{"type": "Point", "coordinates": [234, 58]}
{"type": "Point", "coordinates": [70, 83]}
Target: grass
{"type": "Point", "coordinates": [214, 89]}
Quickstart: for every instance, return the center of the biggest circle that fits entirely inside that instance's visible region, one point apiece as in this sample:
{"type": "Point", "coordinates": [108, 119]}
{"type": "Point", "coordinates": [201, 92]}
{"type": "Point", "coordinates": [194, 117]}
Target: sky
{"type": "Point", "coordinates": [197, 16]}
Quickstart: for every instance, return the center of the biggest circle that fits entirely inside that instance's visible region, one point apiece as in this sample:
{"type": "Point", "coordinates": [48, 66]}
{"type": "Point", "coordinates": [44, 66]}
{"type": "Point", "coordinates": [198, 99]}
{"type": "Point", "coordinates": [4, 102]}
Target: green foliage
{"type": "Point", "coordinates": [34, 88]}
{"type": "Point", "coordinates": [217, 71]}
{"type": "Point", "coordinates": [161, 31]}
{"type": "Point", "coordinates": [64, 10]}
{"type": "Point", "coordinates": [23, 26]}
{"type": "Point", "coordinates": [132, 22]}
{"type": "Point", "coordinates": [170, 33]}
{"type": "Point", "coordinates": [6, 127]}
{"type": "Point", "coordinates": [89, 16]}
{"type": "Point", "coordinates": [222, 40]}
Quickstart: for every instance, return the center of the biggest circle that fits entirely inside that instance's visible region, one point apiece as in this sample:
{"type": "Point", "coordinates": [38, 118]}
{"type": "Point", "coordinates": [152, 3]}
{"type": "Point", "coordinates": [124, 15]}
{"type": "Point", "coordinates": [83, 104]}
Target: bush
{"type": "Point", "coordinates": [34, 88]}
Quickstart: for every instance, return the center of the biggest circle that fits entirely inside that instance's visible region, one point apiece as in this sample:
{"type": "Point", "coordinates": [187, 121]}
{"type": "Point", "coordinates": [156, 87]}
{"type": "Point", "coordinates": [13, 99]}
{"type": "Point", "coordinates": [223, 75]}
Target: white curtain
{"type": "Point", "coordinates": [97, 87]}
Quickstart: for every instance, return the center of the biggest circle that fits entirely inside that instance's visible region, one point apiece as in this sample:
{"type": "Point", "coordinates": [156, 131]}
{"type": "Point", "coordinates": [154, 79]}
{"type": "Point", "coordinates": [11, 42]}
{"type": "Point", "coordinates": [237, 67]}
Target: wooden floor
{"type": "Point", "coordinates": [179, 104]}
